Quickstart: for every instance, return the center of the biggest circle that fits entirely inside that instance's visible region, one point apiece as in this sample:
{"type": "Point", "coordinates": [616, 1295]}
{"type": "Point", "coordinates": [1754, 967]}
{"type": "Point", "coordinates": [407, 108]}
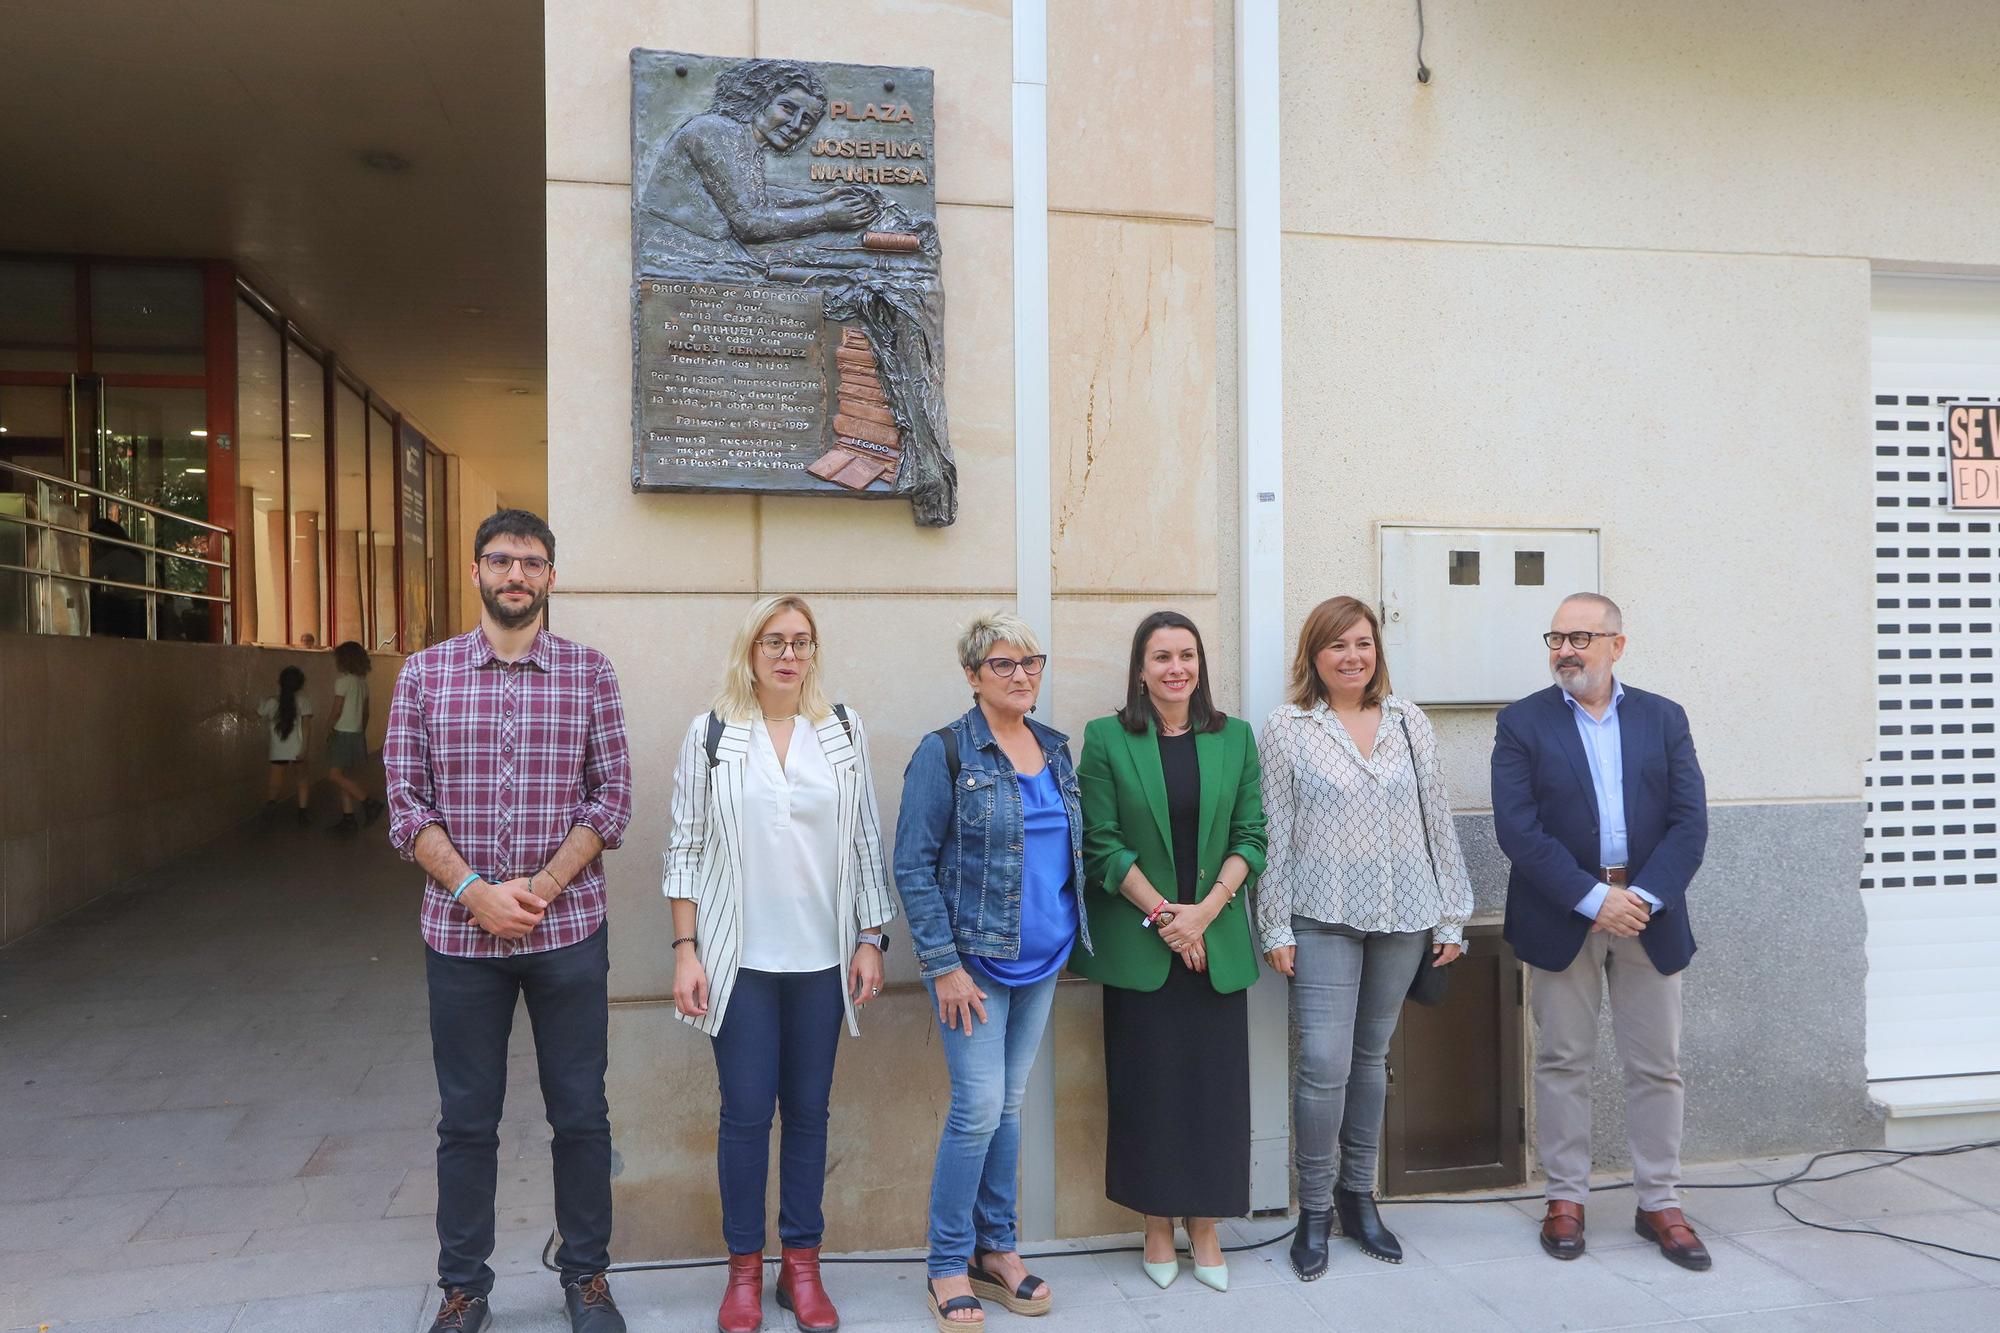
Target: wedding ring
{"type": "Point", "coordinates": [874, 990]}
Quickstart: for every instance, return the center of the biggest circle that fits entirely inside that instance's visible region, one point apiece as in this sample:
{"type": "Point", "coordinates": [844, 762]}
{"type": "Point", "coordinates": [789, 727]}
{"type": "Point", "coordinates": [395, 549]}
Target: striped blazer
{"type": "Point", "coordinates": [704, 860]}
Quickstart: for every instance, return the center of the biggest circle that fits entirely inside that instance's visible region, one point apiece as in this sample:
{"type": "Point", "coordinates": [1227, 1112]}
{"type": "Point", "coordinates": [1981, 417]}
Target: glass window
{"type": "Point", "coordinates": [350, 507]}
{"type": "Point", "coordinates": [155, 450]}
{"type": "Point", "coordinates": [305, 502]}
{"type": "Point", "coordinates": [37, 315]}
{"type": "Point", "coordinates": [260, 480]}
{"type": "Point", "coordinates": [1464, 568]}
{"type": "Point", "coordinates": [382, 529]}
{"type": "Point", "coordinates": [146, 319]}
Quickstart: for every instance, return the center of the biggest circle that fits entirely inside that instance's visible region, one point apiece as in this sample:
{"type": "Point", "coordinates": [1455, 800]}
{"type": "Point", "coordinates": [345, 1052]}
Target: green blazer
{"type": "Point", "coordinates": [1125, 821]}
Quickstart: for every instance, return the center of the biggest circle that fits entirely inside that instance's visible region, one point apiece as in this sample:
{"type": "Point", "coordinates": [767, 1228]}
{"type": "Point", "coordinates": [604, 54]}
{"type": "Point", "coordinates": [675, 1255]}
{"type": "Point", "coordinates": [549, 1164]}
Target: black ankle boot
{"type": "Point", "coordinates": [1309, 1242]}
{"type": "Point", "coordinates": [1361, 1223]}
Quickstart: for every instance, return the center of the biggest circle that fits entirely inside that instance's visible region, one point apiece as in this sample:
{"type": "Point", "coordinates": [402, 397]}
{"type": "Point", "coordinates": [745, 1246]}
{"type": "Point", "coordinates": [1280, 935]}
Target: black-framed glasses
{"type": "Point", "coordinates": [1577, 638]}
{"type": "Point", "coordinates": [1003, 667]}
{"type": "Point", "coordinates": [499, 563]}
{"type": "Point", "coordinates": [773, 646]}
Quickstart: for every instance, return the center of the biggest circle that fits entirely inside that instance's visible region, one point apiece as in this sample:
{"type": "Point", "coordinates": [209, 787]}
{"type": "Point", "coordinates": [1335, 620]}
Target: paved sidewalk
{"type": "Point", "coordinates": [216, 1110]}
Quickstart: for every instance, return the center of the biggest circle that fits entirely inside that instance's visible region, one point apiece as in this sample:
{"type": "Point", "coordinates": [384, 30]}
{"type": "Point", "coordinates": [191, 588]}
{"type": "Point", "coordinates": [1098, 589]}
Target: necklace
{"type": "Point", "coordinates": [1166, 730]}
{"type": "Point", "coordinates": [793, 717]}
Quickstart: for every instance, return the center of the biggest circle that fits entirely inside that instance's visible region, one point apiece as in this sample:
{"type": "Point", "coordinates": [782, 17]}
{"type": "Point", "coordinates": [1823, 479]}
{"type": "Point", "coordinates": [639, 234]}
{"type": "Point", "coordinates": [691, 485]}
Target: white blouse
{"type": "Point", "coordinates": [1346, 843]}
{"type": "Point", "coordinates": [791, 855]}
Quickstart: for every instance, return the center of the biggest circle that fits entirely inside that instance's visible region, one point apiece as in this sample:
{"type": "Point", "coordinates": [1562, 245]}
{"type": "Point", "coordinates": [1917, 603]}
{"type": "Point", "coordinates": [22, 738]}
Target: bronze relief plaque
{"type": "Point", "coordinates": [787, 309]}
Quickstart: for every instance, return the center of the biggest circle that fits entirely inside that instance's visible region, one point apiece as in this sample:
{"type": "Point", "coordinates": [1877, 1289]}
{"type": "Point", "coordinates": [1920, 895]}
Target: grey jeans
{"type": "Point", "coordinates": [1349, 985]}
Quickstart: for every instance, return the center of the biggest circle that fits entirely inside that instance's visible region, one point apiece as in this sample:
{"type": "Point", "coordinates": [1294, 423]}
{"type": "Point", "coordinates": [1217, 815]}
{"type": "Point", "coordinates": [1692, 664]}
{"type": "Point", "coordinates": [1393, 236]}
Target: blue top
{"type": "Point", "coordinates": [1604, 747]}
{"type": "Point", "coordinates": [1048, 889]}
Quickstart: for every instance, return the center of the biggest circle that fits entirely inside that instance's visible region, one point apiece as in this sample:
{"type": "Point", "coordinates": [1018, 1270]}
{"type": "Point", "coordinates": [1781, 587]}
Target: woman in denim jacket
{"type": "Point", "coordinates": [989, 855]}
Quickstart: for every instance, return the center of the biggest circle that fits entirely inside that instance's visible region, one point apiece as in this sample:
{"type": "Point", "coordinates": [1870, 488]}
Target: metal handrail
{"type": "Point", "coordinates": [85, 534]}
{"type": "Point", "coordinates": [108, 583]}
{"type": "Point", "coordinates": [115, 498]}
{"type": "Point", "coordinates": [146, 519]}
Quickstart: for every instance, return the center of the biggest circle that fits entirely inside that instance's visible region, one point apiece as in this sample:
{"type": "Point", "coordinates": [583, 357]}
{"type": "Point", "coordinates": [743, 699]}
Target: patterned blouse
{"type": "Point", "coordinates": [1347, 843]}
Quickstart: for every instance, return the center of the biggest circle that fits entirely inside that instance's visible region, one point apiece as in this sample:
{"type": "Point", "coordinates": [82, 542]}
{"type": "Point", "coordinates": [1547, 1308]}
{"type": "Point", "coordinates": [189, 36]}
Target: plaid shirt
{"type": "Point", "coordinates": [508, 758]}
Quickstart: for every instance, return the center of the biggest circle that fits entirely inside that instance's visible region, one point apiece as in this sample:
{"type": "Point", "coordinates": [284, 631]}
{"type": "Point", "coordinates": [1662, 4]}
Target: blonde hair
{"type": "Point", "coordinates": [1325, 623]}
{"type": "Point", "coordinates": [736, 701]}
{"type": "Point", "coordinates": [975, 644]}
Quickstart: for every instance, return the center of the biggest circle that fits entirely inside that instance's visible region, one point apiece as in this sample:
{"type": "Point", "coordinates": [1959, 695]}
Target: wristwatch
{"type": "Point", "coordinates": [878, 938]}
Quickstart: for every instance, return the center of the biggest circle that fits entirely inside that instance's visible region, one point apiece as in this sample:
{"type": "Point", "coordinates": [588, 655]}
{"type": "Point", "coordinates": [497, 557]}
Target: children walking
{"type": "Point", "coordinates": [347, 747]}
{"type": "Point", "coordinates": [288, 716]}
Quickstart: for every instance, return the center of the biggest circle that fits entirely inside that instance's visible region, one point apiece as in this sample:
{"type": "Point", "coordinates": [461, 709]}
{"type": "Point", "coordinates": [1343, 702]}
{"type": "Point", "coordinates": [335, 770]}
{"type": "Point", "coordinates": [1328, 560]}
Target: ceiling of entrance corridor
{"type": "Point", "coordinates": [374, 165]}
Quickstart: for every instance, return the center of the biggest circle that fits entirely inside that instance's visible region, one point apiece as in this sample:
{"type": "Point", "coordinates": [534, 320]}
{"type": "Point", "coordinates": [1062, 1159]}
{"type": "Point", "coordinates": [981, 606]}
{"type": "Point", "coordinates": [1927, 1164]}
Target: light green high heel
{"type": "Point", "coordinates": [1163, 1274]}
{"type": "Point", "coordinates": [1216, 1277]}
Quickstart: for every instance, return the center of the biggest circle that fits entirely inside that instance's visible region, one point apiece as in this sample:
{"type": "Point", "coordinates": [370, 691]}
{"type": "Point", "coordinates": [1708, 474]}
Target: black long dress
{"type": "Point", "coordinates": [1177, 1060]}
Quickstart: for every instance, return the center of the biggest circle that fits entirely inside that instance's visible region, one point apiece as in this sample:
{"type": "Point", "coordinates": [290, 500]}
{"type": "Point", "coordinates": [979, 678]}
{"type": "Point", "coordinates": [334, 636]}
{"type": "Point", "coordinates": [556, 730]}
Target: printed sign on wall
{"type": "Point", "coordinates": [1972, 432]}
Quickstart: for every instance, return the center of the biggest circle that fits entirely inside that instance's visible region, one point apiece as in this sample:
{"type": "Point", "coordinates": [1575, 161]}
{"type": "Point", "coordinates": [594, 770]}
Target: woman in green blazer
{"type": "Point", "coordinates": [1173, 832]}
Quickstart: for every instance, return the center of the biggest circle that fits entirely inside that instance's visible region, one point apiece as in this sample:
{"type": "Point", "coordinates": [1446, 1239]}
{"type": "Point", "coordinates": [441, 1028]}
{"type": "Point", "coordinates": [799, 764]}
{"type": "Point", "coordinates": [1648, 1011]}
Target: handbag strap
{"type": "Point", "coordinates": [1423, 816]}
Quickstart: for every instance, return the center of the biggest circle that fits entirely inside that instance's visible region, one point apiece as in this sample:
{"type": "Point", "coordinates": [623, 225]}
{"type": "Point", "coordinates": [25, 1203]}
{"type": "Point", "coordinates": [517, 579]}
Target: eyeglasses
{"type": "Point", "coordinates": [774, 645]}
{"type": "Point", "coordinates": [498, 563]}
{"type": "Point", "coordinates": [1578, 638]}
{"type": "Point", "coordinates": [1003, 667]}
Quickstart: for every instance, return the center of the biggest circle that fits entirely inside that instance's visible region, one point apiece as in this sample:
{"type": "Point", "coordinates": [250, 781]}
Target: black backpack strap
{"type": "Point", "coordinates": [714, 739]}
{"type": "Point", "coordinates": [840, 711]}
{"type": "Point", "coordinates": [950, 739]}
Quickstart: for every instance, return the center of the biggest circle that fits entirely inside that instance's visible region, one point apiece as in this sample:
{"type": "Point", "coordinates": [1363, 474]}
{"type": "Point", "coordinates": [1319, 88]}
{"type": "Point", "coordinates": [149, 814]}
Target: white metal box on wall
{"type": "Point", "coordinates": [1464, 609]}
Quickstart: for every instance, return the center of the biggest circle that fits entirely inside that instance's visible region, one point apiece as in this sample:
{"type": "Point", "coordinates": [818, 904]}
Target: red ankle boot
{"type": "Point", "coordinates": [800, 1292]}
{"type": "Point", "coordinates": [743, 1299]}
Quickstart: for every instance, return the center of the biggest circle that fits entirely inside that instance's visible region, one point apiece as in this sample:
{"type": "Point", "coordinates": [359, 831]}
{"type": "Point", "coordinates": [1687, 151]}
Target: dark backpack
{"type": "Point", "coordinates": [950, 740]}
{"type": "Point", "coordinates": [839, 711]}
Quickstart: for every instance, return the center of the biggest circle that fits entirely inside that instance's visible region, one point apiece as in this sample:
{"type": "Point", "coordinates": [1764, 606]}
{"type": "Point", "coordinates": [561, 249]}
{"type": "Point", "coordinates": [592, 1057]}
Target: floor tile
{"type": "Point", "coordinates": [1400, 1300]}
{"type": "Point", "coordinates": [1852, 1267]}
{"type": "Point", "coordinates": [1740, 1280]}
{"type": "Point", "coordinates": [341, 1312]}
{"type": "Point", "coordinates": [1578, 1294]}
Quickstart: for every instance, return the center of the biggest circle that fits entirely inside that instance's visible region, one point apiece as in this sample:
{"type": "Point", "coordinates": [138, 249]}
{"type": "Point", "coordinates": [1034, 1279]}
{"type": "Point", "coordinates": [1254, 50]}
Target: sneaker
{"type": "Point", "coordinates": [462, 1312]}
{"type": "Point", "coordinates": [371, 810]}
{"type": "Point", "coordinates": [591, 1309]}
{"type": "Point", "coordinates": [305, 817]}
{"type": "Point", "coordinates": [346, 824]}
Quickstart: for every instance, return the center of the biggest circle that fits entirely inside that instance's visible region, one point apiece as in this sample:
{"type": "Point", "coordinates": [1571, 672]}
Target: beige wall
{"type": "Point", "coordinates": [122, 754]}
{"type": "Point", "coordinates": [1610, 269]}
{"type": "Point", "coordinates": [1814, 127]}
{"type": "Point", "coordinates": [473, 497]}
{"type": "Point", "coordinates": [658, 581]}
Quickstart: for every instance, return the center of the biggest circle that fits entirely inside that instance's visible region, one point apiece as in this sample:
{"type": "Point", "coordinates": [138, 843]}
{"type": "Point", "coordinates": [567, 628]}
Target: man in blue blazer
{"type": "Point", "coordinates": [1599, 803]}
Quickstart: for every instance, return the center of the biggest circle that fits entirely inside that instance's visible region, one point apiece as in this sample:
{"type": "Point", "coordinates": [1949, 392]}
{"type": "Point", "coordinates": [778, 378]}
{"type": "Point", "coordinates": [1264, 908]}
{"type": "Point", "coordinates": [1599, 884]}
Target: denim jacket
{"type": "Point", "coordinates": [958, 848]}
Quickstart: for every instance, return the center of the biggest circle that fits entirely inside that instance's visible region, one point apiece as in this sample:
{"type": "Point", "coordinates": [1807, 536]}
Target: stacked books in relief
{"type": "Point", "coordinates": [867, 445]}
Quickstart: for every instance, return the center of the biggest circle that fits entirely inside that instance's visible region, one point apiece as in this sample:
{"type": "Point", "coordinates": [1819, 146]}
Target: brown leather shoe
{"type": "Point", "coordinates": [1562, 1229]}
{"type": "Point", "coordinates": [1668, 1229]}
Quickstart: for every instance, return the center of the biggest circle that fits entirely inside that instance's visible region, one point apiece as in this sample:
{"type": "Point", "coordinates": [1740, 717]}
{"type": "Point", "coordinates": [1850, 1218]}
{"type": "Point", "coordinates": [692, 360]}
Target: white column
{"type": "Point", "coordinates": [1033, 577]}
{"type": "Point", "coordinates": [1261, 454]}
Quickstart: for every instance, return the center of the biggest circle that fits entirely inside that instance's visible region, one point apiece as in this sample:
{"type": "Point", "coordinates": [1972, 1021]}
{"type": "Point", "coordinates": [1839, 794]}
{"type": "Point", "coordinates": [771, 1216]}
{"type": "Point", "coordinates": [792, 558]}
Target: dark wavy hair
{"type": "Point", "coordinates": [513, 523]}
{"type": "Point", "coordinates": [742, 90]}
{"type": "Point", "coordinates": [1138, 711]}
{"type": "Point", "coordinates": [290, 681]}
{"type": "Point", "coordinates": [351, 658]}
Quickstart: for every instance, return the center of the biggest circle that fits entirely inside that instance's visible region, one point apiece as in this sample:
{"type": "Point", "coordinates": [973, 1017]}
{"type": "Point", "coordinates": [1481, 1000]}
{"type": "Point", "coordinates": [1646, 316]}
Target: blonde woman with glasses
{"type": "Point", "coordinates": [775, 874]}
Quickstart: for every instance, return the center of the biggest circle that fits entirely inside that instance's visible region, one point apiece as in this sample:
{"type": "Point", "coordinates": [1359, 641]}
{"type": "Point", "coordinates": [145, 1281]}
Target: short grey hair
{"type": "Point", "coordinates": [976, 642]}
{"type": "Point", "coordinates": [1614, 619]}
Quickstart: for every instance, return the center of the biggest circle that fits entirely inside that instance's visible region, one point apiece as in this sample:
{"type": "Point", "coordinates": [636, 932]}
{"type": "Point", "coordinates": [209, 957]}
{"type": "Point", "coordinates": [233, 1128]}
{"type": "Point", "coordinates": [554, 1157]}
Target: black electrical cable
{"type": "Point", "coordinates": [1882, 1157]}
{"type": "Point", "coordinates": [1423, 70]}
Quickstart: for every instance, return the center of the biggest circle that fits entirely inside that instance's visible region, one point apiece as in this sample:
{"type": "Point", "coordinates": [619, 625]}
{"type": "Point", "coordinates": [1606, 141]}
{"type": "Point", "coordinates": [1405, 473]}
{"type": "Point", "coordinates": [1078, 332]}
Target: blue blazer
{"type": "Point", "coordinates": [1545, 813]}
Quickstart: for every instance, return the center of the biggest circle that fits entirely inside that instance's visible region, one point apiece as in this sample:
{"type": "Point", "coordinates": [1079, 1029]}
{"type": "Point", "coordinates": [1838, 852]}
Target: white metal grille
{"type": "Point", "coordinates": [1931, 867]}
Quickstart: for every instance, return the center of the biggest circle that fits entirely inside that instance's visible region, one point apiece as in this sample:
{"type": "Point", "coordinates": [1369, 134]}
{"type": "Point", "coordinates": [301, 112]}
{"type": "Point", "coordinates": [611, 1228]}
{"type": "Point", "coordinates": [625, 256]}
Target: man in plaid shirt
{"type": "Point", "coordinates": [508, 777]}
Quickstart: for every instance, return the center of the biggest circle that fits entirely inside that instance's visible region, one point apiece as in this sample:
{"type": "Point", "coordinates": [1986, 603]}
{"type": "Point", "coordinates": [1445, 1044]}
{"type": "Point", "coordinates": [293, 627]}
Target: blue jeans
{"type": "Point", "coordinates": [775, 1051]}
{"type": "Point", "coordinates": [973, 1184]}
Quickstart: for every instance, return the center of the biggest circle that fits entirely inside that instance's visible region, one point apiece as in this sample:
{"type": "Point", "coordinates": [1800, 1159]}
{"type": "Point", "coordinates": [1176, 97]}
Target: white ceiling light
{"type": "Point", "coordinates": [199, 434]}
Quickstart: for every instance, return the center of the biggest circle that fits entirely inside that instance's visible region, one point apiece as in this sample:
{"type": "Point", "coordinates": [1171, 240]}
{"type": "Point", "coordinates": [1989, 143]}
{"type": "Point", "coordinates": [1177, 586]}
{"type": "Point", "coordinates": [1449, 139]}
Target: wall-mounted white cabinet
{"type": "Point", "coordinates": [1463, 609]}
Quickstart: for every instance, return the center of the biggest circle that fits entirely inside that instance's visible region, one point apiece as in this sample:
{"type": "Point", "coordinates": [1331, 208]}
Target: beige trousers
{"type": "Point", "coordinates": [1646, 1020]}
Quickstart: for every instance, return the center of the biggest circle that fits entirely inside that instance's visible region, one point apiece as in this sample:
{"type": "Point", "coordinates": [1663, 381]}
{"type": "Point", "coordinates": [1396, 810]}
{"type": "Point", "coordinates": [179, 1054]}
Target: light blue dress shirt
{"type": "Point", "coordinates": [1604, 747]}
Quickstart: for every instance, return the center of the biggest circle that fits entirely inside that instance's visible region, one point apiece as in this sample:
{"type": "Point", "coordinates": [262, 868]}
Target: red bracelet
{"type": "Point", "coordinates": [1154, 915]}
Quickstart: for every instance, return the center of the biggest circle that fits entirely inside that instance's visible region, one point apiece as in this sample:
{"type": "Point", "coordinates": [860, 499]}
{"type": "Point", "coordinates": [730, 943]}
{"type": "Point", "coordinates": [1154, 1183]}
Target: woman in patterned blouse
{"type": "Point", "coordinates": [1363, 863]}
